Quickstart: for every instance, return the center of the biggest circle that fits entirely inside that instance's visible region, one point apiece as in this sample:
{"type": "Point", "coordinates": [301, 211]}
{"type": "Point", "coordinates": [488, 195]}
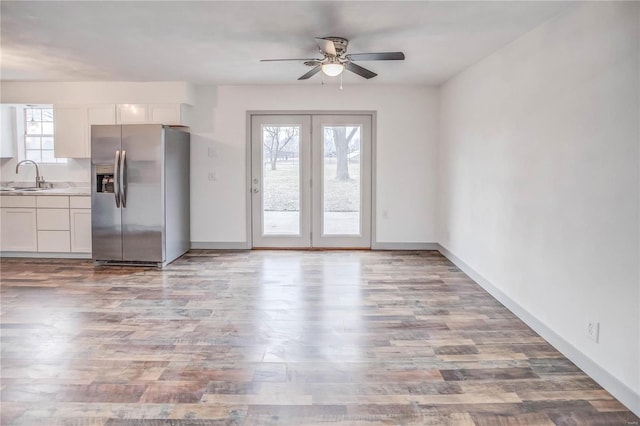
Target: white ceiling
{"type": "Point", "coordinates": [221, 42]}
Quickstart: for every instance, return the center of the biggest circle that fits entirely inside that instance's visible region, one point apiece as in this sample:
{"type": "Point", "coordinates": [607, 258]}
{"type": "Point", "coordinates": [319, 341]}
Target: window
{"type": "Point", "coordinates": [38, 135]}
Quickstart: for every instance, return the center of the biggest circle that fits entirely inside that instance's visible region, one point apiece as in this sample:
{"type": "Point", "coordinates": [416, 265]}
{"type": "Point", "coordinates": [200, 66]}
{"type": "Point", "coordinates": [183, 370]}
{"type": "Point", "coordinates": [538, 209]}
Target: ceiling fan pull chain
{"type": "Point", "coordinates": [341, 81]}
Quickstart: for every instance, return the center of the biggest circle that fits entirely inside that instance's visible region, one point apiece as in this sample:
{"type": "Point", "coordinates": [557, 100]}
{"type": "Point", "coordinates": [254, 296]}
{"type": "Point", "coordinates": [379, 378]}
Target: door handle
{"type": "Point", "coordinates": [116, 186]}
{"type": "Point", "coordinates": [123, 178]}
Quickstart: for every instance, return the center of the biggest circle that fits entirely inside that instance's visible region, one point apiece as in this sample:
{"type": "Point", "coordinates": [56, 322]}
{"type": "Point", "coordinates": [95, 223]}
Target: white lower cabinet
{"type": "Point", "coordinates": [80, 230]}
{"type": "Point", "coordinates": [18, 230]}
{"type": "Point", "coordinates": [45, 224]}
{"type": "Point", "coordinates": [53, 242]}
{"type": "Point", "coordinates": [53, 219]}
{"type": "Point", "coordinates": [53, 224]}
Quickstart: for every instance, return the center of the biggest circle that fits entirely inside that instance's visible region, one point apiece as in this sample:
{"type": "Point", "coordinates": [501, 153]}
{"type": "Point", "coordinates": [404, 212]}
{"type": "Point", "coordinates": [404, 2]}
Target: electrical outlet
{"type": "Point", "coordinates": [593, 330]}
{"type": "Point", "coordinates": [212, 176]}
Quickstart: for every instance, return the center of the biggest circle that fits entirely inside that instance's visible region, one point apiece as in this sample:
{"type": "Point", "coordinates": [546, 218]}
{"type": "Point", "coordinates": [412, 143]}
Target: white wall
{"type": "Point", "coordinates": [79, 92]}
{"type": "Point", "coordinates": [539, 181]}
{"type": "Point", "coordinates": [406, 164]}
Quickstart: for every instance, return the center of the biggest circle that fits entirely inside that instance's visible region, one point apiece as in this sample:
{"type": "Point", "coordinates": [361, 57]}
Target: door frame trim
{"type": "Point", "coordinates": [248, 165]}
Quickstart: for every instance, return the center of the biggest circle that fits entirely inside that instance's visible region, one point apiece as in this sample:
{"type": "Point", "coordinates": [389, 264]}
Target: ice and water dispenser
{"type": "Point", "coordinates": [104, 178]}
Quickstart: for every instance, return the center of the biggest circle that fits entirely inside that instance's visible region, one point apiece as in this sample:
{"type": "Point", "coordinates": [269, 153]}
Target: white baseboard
{"type": "Point", "coordinates": [43, 255]}
{"type": "Point", "coordinates": [613, 385]}
{"type": "Point", "coordinates": [405, 246]}
{"type": "Point", "coordinates": [203, 245]}
{"type": "Point", "coordinates": [374, 246]}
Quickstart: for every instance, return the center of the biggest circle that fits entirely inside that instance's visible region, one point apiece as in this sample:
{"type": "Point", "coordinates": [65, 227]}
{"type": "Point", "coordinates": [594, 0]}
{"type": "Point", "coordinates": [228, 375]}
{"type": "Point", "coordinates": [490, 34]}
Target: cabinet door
{"type": "Point", "coordinates": [132, 114]}
{"type": "Point", "coordinates": [53, 241]}
{"type": "Point", "coordinates": [81, 230]}
{"type": "Point", "coordinates": [70, 131]}
{"type": "Point", "coordinates": [53, 219]}
{"type": "Point", "coordinates": [7, 131]}
{"type": "Point", "coordinates": [165, 114]}
{"type": "Point", "coordinates": [99, 114]}
{"type": "Point", "coordinates": [18, 229]}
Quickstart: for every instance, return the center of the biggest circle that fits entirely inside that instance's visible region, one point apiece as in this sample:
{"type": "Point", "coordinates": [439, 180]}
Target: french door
{"type": "Point", "coordinates": [311, 181]}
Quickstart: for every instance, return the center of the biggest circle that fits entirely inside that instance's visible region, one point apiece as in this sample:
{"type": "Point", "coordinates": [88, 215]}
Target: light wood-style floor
{"type": "Point", "coordinates": [278, 338]}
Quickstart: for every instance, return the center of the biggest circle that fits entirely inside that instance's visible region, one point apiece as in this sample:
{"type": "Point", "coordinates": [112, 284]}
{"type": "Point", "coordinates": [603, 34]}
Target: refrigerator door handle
{"type": "Point", "coordinates": [123, 178]}
{"type": "Point", "coordinates": [116, 186]}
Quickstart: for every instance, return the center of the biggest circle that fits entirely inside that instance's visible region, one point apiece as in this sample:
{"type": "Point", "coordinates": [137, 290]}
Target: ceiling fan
{"type": "Point", "coordinates": [336, 59]}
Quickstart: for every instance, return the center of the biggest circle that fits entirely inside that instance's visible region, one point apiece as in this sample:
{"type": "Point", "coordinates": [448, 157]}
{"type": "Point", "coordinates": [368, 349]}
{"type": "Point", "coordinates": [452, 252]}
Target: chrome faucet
{"type": "Point", "coordinates": [40, 183]}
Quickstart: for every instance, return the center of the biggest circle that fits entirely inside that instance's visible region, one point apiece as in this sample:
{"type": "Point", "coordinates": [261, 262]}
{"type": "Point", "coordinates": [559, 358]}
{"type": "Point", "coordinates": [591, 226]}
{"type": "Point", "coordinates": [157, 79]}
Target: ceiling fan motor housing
{"type": "Point", "coordinates": [339, 43]}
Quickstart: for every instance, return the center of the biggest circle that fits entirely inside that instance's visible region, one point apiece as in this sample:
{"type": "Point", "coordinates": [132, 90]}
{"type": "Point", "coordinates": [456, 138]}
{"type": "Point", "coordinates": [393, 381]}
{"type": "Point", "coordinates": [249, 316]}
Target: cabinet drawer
{"type": "Point", "coordinates": [52, 201]}
{"type": "Point", "coordinates": [53, 219]}
{"type": "Point", "coordinates": [18, 201]}
{"type": "Point", "coordinates": [80, 202]}
{"type": "Point", "coordinates": [53, 241]}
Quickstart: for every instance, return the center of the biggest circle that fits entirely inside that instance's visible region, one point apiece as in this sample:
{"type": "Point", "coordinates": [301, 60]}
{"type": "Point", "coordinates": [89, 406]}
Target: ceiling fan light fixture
{"type": "Point", "coordinates": [332, 69]}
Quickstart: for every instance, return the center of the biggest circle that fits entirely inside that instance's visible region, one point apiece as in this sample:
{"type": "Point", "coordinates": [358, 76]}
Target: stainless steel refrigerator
{"type": "Point", "coordinates": [140, 193]}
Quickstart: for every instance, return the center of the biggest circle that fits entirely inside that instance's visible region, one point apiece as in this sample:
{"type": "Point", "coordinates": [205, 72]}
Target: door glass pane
{"type": "Point", "coordinates": [281, 180]}
{"type": "Point", "coordinates": [341, 186]}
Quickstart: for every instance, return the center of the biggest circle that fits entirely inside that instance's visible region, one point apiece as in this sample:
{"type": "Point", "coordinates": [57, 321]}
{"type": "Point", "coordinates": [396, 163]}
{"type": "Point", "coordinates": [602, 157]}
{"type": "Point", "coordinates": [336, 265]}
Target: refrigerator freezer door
{"type": "Point", "coordinates": [106, 222]}
{"type": "Point", "coordinates": [142, 184]}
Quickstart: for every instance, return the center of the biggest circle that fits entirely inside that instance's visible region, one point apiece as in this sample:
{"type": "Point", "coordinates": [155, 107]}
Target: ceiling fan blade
{"type": "Point", "coordinates": [359, 70]}
{"type": "Point", "coordinates": [381, 56]}
{"type": "Point", "coordinates": [295, 59]}
{"type": "Point", "coordinates": [327, 46]}
{"type": "Point", "coordinates": [311, 73]}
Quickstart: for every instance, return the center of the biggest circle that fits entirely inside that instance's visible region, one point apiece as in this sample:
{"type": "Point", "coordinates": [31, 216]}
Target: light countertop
{"type": "Point", "coordinates": [48, 191]}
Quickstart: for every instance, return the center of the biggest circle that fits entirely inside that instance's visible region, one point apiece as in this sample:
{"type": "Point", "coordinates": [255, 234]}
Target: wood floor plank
{"type": "Point", "coordinates": [278, 338]}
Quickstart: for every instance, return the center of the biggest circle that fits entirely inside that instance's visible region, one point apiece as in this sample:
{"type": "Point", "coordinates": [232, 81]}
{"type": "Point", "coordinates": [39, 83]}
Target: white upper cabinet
{"type": "Point", "coordinates": [99, 114]}
{"type": "Point", "coordinates": [72, 123]}
{"type": "Point", "coordinates": [72, 127]}
{"type": "Point", "coordinates": [170, 114]}
{"type": "Point", "coordinates": [70, 131]}
{"type": "Point", "coordinates": [7, 131]}
{"type": "Point", "coordinates": [133, 113]}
